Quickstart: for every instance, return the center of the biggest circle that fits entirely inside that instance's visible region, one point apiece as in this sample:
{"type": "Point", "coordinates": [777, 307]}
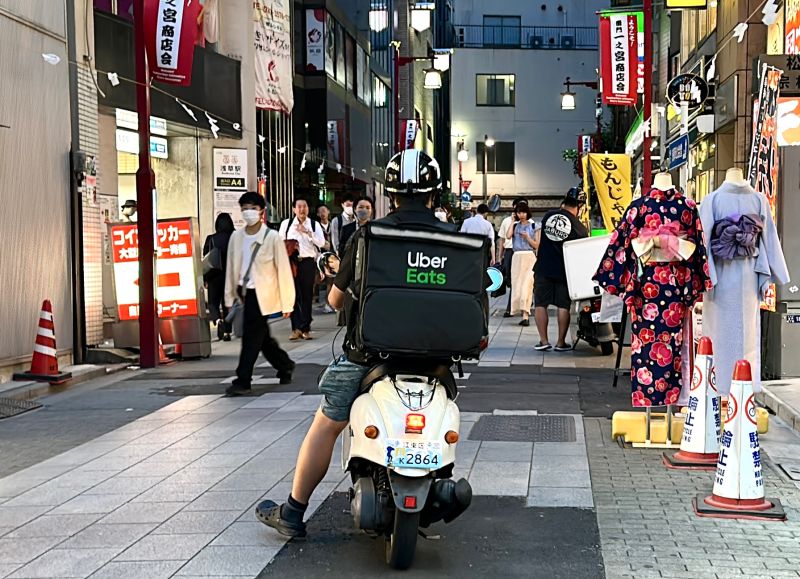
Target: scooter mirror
{"type": "Point", "coordinates": [328, 264]}
{"type": "Point", "coordinates": [497, 279]}
{"type": "Point", "coordinates": [494, 203]}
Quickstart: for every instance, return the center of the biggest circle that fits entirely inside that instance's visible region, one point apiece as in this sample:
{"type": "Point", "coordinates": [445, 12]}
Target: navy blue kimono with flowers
{"type": "Point", "coordinates": [658, 294]}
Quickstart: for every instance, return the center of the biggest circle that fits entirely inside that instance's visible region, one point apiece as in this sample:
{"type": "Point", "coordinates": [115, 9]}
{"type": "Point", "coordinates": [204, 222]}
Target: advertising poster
{"type": "Point", "coordinates": [315, 40]}
{"type": "Point", "coordinates": [273, 46]}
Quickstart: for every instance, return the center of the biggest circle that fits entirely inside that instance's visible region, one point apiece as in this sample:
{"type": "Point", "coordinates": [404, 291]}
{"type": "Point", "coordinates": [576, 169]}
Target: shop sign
{"type": "Point", "coordinates": [684, 4]}
{"type": "Point", "coordinates": [410, 128]}
{"type": "Point", "coordinates": [230, 169]}
{"type": "Point", "coordinates": [128, 142]}
{"type": "Point", "coordinates": [678, 152]}
{"type": "Point", "coordinates": [611, 175]}
{"type": "Point", "coordinates": [789, 64]}
{"type": "Point", "coordinates": [170, 33]}
{"type": "Point", "coordinates": [690, 89]}
{"type": "Point", "coordinates": [273, 55]}
{"type": "Point", "coordinates": [792, 26]}
{"type": "Point", "coordinates": [176, 289]}
{"type": "Point", "coordinates": [130, 120]}
{"type": "Point", "coordinates": [619, 59]}
{"type": "Point", "coordinates": [315, 39]}
{"type": "Point", "coordinates": [585, 144]}
{"type": "Point", "coordinates": [335, 140]}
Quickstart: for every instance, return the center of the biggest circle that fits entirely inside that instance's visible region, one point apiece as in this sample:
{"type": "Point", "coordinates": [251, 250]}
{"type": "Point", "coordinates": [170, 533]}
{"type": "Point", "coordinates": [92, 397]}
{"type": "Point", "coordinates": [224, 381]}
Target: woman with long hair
{"type": "Point", "coordinates": [524, 244]}
{"type": "Point", "coordinates": [215, 279]}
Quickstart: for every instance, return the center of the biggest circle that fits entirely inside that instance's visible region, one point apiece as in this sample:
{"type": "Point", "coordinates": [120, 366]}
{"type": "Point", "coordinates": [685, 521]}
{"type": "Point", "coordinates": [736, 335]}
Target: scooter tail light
{"type": "Point", "coordinates": [371, 432]}
{"type": "Point", "coordinates": [415, 423]}
{"type": "Point", "coordinates": [410, 502]}
{"type": "Point", "coordinates": [451, 437]}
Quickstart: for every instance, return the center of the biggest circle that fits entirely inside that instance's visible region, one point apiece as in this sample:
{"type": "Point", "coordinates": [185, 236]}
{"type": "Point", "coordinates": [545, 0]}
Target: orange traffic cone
{"type": "Point", "coordinates": [163, 360]}
{"type": "Point", "coordinates": [44, 365]}
{"type": "Point", "coordinates": [700, 440]}
{"type": "Point", "coordinates": [739, 482]}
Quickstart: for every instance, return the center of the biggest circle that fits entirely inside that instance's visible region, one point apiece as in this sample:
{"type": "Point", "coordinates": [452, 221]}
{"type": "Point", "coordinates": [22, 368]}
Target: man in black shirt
{"type": "Point", "coordinates": [550, 286]}
{"type": "Point", "coordinates": [412, 181]}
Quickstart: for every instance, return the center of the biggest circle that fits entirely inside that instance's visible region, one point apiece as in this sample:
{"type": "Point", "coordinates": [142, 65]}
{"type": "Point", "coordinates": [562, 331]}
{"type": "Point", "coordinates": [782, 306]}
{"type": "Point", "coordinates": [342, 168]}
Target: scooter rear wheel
{"type": "Point", "coordinates": [402, 543]}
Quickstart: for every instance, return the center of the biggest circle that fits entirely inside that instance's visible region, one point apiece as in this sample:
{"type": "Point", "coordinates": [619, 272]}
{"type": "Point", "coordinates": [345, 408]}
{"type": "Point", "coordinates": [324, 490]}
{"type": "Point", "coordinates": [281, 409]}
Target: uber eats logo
{"type": "Point", "coordinates": [422, 269]}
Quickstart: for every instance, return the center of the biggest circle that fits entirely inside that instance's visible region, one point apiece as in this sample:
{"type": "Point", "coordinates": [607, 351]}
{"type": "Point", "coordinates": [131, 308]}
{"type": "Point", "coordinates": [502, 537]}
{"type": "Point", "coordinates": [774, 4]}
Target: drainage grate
{"type": "Point", "coordinates": [524, 429]}
{"type": "Point", "coordinates": [10, 407]}
{"type": "Point", "coordinates": [792, 469]}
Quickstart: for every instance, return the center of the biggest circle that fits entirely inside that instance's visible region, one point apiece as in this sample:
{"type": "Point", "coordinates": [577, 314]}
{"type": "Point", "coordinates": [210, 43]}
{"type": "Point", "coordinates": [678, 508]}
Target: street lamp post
{"type": "Point", "coordinates": [568, 104]}
{"type": "Point", "coordinates": [487, 144]}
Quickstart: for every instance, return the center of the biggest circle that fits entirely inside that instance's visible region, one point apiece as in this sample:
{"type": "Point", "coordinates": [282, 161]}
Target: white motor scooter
{"type": "Point", "coordinates": [400, 450]}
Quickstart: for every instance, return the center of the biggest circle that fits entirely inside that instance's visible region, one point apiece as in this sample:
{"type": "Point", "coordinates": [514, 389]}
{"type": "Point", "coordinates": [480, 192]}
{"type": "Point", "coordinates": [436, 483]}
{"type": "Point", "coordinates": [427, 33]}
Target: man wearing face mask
{"type": "Point", "coordinates": [364, 211]}
{"type": "Point", "coordinates": [260, 277]}
{"type": "Point", "coordinates": [345, 218]}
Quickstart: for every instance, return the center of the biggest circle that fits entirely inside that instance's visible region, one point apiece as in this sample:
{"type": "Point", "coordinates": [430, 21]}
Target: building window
{"type": "Point", "coordinates": [495, 90]}
{"type": "Point", "coordinates": [499, 158]}
{"type": "Point", "coordinates": [502, 30]}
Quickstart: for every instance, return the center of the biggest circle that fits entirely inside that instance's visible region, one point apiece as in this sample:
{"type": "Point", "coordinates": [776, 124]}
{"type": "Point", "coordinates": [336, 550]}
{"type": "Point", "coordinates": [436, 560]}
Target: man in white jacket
{"type": "Point", "coordinates": [259, 277]}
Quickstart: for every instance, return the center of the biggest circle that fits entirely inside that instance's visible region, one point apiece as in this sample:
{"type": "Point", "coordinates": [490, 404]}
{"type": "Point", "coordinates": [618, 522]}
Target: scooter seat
{"type": "Point", "coordinates": [392, 368]}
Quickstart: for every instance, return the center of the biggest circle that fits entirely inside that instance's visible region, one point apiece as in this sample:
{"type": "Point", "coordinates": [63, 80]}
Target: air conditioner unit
{"type": "Point", "coordinates": [537, 41]}
{"type": "Point", "coordinates": [567, 42]}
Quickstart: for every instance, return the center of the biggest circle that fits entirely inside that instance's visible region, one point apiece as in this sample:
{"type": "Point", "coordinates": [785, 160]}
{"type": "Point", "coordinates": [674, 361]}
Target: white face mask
{"type": "Point", "coordinates": [251, 216]}
{"type": "Point", "coordinates": [441, 216]}
{"type": "Point", "coordinates": [348, 210]}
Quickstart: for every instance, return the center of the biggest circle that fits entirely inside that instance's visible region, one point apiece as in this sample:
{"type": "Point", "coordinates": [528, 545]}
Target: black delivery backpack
{"type": "Point", "coordinates": [421, 292]}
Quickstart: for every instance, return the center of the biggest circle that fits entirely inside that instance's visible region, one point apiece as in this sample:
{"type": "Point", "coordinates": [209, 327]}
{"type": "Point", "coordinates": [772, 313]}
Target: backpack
{"type": "Point", "coordinates": [419, 292]}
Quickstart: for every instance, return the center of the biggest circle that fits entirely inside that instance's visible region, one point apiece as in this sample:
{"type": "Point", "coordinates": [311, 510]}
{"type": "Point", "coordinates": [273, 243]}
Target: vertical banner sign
{"type": "Point", "coordinates": [410, 128]}
{"type": "Point", "coordinates": [763, 166]}
{"type": "Point", "coordinates": [619, 59]}
{"type": "Point", "coordinates": [273, 45]}
{"type": "Point", "coordinates": [612, 181]}
{"type": "Point", "coordinates": [315, 39]}
{"type": "Point", "coordinates": [175, 269]}
{"type": "Point", "coordinates": [792, 27]}
{"type": "Point", "coordinates": [171, 30]}
{"type": "Point", "coordinates": [335, 140]}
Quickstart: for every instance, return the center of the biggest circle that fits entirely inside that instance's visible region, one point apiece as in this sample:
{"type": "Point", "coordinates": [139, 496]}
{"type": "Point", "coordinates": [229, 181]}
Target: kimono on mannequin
{"type": "Point", "coordinates": [657, 259]}
{"type": "Point", "coordinates": [744, 258]}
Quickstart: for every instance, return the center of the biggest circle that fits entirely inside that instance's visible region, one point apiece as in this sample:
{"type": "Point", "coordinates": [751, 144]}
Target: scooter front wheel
{"type": "Point", "coordinates": [402, 543]}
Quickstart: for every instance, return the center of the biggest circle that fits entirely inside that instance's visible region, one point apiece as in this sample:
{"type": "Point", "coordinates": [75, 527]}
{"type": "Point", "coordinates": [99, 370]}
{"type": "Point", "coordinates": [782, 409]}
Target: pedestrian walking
{"type": "Point", "coordinates": [324, 220]}
{"type": "Point", "coordinates": [259, 278]}
{"type": "Point", "coordinates": [346, 217]}
{"type": "Point", "coordinates": [551, 275]}
{"type": "Point", "coordinates": [479, 224]}
{"type": "Point", "coordinates": [507, 249]}
{"type": "Point", "coordinates": [310, 239]}
{"type": "Point", "coordinates": [214, 278]}
{"type": "Point", "coordinates": [522, 235]}
{"type": "Point", "coordinates": [364, 212]}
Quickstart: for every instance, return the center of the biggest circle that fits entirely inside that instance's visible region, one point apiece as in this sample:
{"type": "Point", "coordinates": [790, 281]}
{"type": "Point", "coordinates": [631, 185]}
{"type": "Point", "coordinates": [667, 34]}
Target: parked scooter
{"type": "Point", "coordinates": [400, 450]}
{"type": "Point", "coordinates": [591, 330]}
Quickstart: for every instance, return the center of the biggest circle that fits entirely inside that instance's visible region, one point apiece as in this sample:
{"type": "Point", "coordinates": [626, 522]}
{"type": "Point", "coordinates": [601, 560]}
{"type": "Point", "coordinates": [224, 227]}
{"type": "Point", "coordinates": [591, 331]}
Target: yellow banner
{"type": "Point", "coordinates": [672, 4]}
{"type": "Point", "coordinates": [612, 181]}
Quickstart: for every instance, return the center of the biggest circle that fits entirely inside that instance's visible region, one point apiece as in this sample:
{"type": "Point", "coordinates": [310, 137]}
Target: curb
{"type": "Point", "coordinates": [781, 409]}
{"type": "Point", "coordinates": [30, 390]}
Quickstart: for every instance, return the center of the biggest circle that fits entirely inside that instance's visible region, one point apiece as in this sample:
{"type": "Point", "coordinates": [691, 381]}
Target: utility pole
{"type": "Point", "coordinates": [145, 199]}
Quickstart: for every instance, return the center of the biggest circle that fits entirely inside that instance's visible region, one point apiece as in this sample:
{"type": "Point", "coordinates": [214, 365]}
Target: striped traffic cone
{"type": "Point", "coordinates": [739, 482]}
{"type": "Point", "coordinates": [44, 365]}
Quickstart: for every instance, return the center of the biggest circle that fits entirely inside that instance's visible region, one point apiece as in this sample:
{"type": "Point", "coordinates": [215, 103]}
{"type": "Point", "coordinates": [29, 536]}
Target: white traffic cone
{"type": "Point", "coordinates": [739, 482]}
{"type": "Point", "coordinates": [701, 429]}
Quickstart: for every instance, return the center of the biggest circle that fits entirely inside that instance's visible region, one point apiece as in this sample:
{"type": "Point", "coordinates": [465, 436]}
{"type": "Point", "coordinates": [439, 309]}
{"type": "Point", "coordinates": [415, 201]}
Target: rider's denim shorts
{"type": "Point", "coordinates": [339, 386]}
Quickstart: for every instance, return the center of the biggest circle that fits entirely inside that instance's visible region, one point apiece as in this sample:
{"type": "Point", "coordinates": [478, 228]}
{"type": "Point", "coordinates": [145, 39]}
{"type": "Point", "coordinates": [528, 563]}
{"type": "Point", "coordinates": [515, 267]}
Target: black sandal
{"type": "Point", "coordinates": [269, 513]}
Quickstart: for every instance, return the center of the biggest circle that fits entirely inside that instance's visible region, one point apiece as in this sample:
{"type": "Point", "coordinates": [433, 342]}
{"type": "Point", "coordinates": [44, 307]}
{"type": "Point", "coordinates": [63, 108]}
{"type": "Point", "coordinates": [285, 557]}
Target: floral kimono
{"type": "Point", "coordinates": [657, 259]}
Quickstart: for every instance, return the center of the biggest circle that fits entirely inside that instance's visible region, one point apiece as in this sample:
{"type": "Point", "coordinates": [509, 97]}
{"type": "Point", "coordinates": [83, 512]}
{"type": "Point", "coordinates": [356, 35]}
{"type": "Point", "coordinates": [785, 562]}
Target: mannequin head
{"type": "Point", "coordinates": [735, 176]}
{"type": "Point", "coordinates": [663, 182]}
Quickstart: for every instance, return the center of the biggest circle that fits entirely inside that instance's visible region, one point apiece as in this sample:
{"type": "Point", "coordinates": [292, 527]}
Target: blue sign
{"type": "Point", "coordinates": [678, 152]}
{"type": "Point", "coordinates": [466, 196]}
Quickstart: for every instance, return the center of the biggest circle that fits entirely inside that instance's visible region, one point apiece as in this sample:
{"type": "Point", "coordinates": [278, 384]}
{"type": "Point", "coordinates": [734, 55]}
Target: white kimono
{"type": "Point", "coordinates": [731, 316]}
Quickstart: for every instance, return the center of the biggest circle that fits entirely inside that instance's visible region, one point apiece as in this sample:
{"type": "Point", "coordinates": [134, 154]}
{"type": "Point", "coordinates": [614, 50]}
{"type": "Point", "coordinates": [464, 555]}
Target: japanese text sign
{"type": "Point", "coordinates": [619, 58]}
{"type": "Point", "coordinates": [175, 270]}
{"type": "Point", "coordinates": [171, 29]}
{"type": "Point", "coordinates": [611, 175]}
{"type": "Point", "coordinates": [230, 169]}
{"type": "Point", "coordinates": [273, 55]}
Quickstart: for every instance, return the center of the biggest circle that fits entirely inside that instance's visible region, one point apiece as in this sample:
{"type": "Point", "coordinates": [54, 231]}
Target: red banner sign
{"type": "Point", "coordinates": [619, 59]}
{"type": "Point", "coordinates": [171, 30]}
{"type": "Point", "coordinates": [175, 273]}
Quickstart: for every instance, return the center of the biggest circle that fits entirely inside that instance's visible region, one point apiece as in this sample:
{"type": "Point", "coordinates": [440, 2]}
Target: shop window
{"type": "Point", "coordinates": [499, 158]}
{"type": "Point", "coordinates": [495, 90]}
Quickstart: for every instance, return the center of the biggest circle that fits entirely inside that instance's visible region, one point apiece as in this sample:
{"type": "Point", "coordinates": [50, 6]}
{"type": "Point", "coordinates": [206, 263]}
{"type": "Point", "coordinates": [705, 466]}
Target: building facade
{"type": "Point", "coordinates": [508, 72]}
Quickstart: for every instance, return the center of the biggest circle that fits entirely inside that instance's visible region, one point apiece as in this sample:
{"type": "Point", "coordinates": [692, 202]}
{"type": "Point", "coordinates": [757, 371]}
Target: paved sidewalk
{"type": "Point", "coordinates": [648, 528]}
{"type": "Point", "coordinates": [783, 398]}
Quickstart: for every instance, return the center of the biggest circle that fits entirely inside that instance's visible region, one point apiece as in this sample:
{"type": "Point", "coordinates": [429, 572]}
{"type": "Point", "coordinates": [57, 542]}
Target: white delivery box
{"type": "Point", "coordinates": [582, 257]}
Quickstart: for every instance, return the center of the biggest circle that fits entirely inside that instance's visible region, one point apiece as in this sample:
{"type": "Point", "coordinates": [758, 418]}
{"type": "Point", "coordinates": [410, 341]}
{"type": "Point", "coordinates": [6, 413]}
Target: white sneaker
{"type": "Point", "coordinates": [328, 309]}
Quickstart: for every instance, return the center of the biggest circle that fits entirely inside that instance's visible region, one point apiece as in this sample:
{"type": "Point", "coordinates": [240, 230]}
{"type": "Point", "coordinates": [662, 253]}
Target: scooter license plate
{"type": "Point", "coordinates": [413, 454]}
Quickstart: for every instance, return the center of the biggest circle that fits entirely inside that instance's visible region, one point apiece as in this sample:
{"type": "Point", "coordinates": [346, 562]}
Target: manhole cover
{"type": "Point", "coordinates": [11, 407]}
{"type": "Point", "coordinates": [792, 469]}
{"type": "Point", "coordinates": [524, 429]}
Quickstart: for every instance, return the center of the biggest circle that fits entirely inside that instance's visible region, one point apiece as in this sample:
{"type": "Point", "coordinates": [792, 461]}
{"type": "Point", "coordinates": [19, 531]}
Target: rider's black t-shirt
{"type": "Point", "coordinates": [344, 279]}
{"type": "Point", "coordinates": [557, 227]}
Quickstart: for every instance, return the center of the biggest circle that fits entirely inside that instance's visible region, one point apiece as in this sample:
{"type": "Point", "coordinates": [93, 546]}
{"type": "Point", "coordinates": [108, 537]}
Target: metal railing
{"type": "Point", "coordinates": [532, 37]}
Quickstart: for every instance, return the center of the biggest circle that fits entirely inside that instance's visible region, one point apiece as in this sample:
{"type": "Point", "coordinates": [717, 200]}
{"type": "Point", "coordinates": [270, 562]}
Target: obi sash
{"type": "Point", "coordinates": [665, 243]}
{"type": "Point", "coordinates": [736, 236]}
